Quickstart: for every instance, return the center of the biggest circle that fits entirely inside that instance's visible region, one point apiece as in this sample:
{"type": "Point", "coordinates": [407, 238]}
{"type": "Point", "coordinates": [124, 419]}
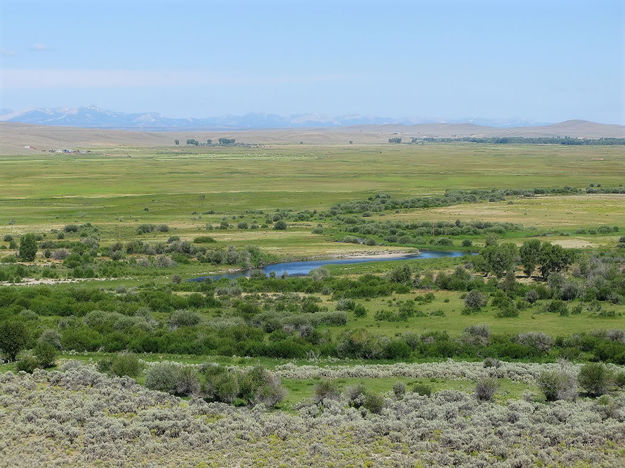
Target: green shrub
{"type": "Point", "coordinates": [126, 364]}
{"type": "Point", "coordinates": [27, 364]}
{"type": "Point", "coordinates": [28, 248]}
{"type": "Point", "coordinates": [204, 240]}
{"type": "Point", "coordinates": [360, 311]}
{"type": "Point", "coordinates": [184, 318]}
{"type": "Point", "coordinates": [594, 378]}
{"type": "Point", "coordinates": [225, 386]}
{"type": "Point", "coordinates": [13, 338]}
{"type": "Point", "coordinates": [46, 354]}
{"type": "Point", "coordinates": [422, 389]}
{"type": "Point", "coordinates": [162, 376]}
{"type": "Point", "coordinates": [374, 402]}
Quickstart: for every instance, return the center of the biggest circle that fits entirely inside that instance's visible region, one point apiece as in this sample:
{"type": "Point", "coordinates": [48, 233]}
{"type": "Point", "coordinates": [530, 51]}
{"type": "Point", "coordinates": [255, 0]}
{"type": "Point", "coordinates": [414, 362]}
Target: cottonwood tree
{"type": "Point", "coordinates": [530, 256]}
{"type": "Point", "coordinates": [499, 259]}
{"type": "Point", "coordinates": [554, 258]}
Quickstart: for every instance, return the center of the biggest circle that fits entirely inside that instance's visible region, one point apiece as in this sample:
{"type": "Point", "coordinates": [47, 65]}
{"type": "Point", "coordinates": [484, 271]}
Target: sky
{"type": "Point", "coordinates": [540, 61]}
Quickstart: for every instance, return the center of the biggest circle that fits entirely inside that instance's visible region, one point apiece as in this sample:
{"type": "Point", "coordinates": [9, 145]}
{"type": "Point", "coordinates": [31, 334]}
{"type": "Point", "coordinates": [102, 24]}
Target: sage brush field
{"type": "Point", "coordinates": [79, 416]}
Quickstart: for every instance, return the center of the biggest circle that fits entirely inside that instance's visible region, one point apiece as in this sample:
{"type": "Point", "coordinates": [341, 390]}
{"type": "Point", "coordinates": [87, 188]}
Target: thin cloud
{"type": "Point", "coordinates": [38, 47]}
{"type": "Point", "coordinates": [8, 53]}
{"type": "Point", "coordinates": [79, 78]}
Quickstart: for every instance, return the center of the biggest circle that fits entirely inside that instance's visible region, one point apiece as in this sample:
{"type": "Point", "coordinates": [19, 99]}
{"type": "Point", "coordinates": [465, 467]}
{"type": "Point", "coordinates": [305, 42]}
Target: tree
{"type": "Point", "coordinates": [209, 141]}
{"type": "Point", "coordinates": [553, 258]}
{"type": "Point", "coordinates": [226, 141]}
{"type": "Point", "coordinates": [500, 259]}
{"type": "Point", "coordinates": [394, 140]}
{"type": "Point", "coordinates": [530, 256]}
{"type": "Point", "coordinates": [28, 248]}
{"type": "Point", "coordinates": [177, 142]}
{"type": "Point", "coordinates": [13, 338]}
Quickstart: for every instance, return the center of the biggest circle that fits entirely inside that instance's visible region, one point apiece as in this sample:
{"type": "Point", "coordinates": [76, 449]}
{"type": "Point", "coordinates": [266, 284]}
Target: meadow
{"type": "Point", "coordinates": [96, 248]}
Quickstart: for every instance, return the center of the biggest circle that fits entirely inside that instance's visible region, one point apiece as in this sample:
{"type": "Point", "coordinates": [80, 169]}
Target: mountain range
{"type": "Point", "coordinates": [95, 117]}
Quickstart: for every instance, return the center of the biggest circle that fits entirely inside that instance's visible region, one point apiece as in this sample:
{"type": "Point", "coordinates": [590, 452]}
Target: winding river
{"type": "Point", "coordinates": [304, 268]}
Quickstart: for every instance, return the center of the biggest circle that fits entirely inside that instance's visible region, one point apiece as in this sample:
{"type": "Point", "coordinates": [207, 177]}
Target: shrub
{"type": "Point", "coordinates": [280, 225]}
{"type": "Point", "coordinates": [326, 390]}
{"type": "Point", "coordinates": [126, 364]}
{"type": "Point", "coordinates": [399, 389]}
{"type": "Point", "coordinates": [50, 336]}
{"type": "Point", "coordinates": [60, 254]}
{"type": "Point", "coordinates": [491, 362]}
{"type": "Point", "coordinates": [345, 304]}
{"type": "Point", "coordinates": [356, 395]}
{"type": "Point", "coordinates": [485, 388]}
{"type": "Point", "coordinates": [204, 240]}
{"type": "Point", "coordinates": [476, 334]}
{"type": "Point", "coordinates": [163, 377]}
{"type": "Point", "coordinates": [537, 340]}
{"type": "Point", "coordinates": [401, 274]}
{"type": "Point", "coordinates": [374, 402]}
{"type": "Point", "coordinates": [619, 379]}
{"type": "Point", "coordinates": [187, 381]}
{"type": "Point", "coordinates": [360, 311]}
{"type": "Point", "coordinates": [223, 386]}
{"type": "Point", "coordinates": [422, 389]}
{"type": "Point", "coordinates": [46, 354]}
{"type": "Point", "coordinates": [259, 386]}
{"type": "Point", "coordinates": [558, 307]}
{"type": "Point", "coordinates": [28, 248]}
{"type": "Point", "coordinates": [184, 318]}
{"type": "Point", "coordinates": [474, 300]}
{"type": "Point", "coordinates": [507, 311]}
{"type": "Point", "coordinates": [27, 364]}
{"type": "Point", "coordinates": [558, 385]}
{"type": "Point", "coordinates": [594, 378]}
{"type": "Point", "coordinates": [532, 296]}
{"type": "Point", "coordinates": [145, 228]}
{"type": "Point", "coordinates": [13, 338]}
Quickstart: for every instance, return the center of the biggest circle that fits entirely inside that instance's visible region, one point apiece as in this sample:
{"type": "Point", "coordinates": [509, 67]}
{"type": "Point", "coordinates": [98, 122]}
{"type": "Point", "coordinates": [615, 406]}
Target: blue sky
{"type": "Point", "coordinates": [543, 61]}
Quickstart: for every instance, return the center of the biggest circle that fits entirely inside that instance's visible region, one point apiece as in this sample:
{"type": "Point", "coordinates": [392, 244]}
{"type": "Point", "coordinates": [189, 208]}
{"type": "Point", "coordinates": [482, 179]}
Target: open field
{"type": "Point", "coordinates": [587, 211]}
{"type": "Point", "coordinates": [416, 362]}
{"type": "Point", "coordinates": [179, 186]}
{"type": "Point", "coordinates": [14, 136]}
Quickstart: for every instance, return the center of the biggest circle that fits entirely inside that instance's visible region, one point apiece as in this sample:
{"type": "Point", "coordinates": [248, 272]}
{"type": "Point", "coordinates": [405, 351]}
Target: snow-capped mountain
{"type": "Point", "coordinates": [95, 117]}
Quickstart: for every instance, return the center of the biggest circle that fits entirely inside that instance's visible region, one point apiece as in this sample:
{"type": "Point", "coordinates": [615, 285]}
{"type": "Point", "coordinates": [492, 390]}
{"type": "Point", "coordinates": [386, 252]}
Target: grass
{"type": "Point", "coordinates": [454, 322]}
{"type": "Point", "coordinates": [303, 390]}
{"type": "Point", "coordinates": [119, 188]}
